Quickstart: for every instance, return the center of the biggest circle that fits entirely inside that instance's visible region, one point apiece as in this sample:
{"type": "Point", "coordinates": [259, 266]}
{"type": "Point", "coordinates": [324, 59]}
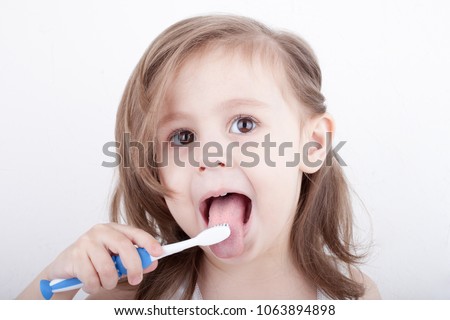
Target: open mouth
{"type": "Point", "coordinates": [225, 205]}
{"type": "Point", "coordinates": [234, 209]}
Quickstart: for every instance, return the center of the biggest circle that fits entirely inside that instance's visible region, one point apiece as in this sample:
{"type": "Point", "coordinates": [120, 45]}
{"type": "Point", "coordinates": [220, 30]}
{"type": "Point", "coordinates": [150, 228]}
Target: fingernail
{"type": "Point", "coordinates": [136, 280]}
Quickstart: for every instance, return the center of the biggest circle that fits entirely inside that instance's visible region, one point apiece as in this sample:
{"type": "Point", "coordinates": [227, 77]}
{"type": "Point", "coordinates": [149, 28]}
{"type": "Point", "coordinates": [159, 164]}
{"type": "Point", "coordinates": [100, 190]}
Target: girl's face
{"type": "Point", "coordinates": [222, 109]}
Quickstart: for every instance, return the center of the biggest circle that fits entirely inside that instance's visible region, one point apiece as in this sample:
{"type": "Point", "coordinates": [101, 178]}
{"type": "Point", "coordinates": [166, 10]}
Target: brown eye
{"type": "Point", "coordinates": [182, 138]}
{"type": "Point", "coordinates": [243, 125]}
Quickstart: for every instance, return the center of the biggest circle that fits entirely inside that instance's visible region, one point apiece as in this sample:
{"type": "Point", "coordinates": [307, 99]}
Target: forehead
{"type": "Point", "coordinates": [223, 72]}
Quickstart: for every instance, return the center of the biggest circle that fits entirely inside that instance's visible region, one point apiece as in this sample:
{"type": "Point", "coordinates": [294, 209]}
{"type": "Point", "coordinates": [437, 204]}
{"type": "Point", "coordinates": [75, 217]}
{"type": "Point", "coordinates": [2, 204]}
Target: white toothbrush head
{"type": "Point", "coordinates": [213, 235]}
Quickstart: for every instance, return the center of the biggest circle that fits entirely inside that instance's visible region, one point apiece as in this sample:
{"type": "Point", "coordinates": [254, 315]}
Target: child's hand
{"type": "Point", "coordinates": [89, 258]}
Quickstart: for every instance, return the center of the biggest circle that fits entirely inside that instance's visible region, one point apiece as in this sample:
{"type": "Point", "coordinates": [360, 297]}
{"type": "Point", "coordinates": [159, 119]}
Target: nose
{"type": "Point", "coordinates": [212, 155]}
{"type": "Point", "coordinates": [217, 164]}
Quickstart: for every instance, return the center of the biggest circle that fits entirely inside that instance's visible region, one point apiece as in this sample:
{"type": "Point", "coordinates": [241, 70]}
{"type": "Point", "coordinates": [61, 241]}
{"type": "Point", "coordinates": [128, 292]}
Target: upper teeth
{"type": "Point", "coordinates": [222, 195]}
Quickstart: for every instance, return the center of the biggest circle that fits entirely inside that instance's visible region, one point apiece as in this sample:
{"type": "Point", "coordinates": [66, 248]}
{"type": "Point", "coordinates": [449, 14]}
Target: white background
{"type": "Point", "coordinates": [386, 67]}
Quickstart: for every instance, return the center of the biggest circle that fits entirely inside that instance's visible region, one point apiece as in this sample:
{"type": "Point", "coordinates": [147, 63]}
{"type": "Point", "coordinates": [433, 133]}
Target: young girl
{"type": "Point", "coordinates": [223, 121]}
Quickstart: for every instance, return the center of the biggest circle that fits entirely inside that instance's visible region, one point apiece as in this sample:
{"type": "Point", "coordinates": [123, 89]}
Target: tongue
{"type": "Point", "coordinates": [231, 210]}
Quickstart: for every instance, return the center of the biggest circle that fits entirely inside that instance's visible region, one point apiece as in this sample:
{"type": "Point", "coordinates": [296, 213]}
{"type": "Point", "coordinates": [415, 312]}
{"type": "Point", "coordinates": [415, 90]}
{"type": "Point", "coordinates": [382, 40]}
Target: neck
{"type": "Point", "coordinates": [271, 276]}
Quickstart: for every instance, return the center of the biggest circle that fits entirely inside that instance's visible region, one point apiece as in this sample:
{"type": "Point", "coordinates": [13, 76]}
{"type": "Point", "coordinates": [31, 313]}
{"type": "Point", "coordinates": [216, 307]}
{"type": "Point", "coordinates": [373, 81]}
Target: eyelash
{"type": "Point", "coordinates": [238, 117]}
{"type": "Point", "coordinates": [177, 131]}
{"type": "Point", "coordinates": [245, 116]}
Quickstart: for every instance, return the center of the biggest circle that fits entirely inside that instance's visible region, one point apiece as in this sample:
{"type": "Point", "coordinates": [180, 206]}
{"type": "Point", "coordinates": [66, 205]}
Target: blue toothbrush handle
{"type": "Point", "coordinates": [48, 288]}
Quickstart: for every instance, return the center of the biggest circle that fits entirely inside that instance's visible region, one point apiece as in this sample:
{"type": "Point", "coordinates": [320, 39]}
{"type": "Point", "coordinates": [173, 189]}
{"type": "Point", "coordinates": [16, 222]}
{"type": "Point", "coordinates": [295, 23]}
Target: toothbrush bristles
{"type": "Point", "coordinates": [221, 225]}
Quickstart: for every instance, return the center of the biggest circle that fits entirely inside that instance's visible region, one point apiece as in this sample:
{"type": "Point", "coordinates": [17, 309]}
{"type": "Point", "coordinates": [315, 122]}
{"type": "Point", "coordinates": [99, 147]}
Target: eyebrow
{"type": "Point", "coordinates": [172, 117]}
{"type": "Point", "coordinates": [228, 104]}
{"type": "Point", "coordinates": [243, 102]}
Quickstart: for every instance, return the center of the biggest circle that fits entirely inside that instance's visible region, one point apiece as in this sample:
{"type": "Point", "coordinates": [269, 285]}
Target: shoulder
{"type": "Point", "coordinates": [371, 290]}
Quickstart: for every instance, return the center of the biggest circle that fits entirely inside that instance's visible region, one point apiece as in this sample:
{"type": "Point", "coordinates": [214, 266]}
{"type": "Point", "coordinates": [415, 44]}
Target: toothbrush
{"type": "Point", "coordinates": [207, 237]}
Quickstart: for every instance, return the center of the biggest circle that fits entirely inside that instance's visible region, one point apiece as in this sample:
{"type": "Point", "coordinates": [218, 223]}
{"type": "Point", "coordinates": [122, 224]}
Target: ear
{"type": "Point", "coordinates": [317, 139]}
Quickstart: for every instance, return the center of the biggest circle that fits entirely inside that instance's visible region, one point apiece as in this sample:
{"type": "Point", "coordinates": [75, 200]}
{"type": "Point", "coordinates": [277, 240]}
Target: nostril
{"type": "Point", "coordinates": [217, 164]}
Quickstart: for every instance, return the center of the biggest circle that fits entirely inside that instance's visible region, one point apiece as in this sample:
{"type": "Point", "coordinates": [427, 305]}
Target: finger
{"type": "Point", "coordinates": [129, 256]}
{"type": "Point", "coordinates": [151, 267]}
{"type": "Point", "coordinates": [141, 238]}
{"type": "Point", "coordinates": [104, 266]}
{"type": "Point", "coordinates": [85, 271]}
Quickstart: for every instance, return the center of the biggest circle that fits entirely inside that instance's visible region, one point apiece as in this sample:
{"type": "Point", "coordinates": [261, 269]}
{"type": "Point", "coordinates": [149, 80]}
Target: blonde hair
{"type": "Point", "coordinates": [321, 235]}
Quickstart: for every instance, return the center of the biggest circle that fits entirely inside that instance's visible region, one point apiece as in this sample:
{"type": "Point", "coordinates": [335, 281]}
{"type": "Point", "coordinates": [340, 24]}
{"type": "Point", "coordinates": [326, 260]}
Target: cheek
{"type": "Point", "coordinates": [176, 179]}
{"type": "Point", "coordinates": [277, 198]}
{"type": "Point", "coordinates": [174, 169]}
{"type": "Point", "coordinates": [180, 205]}
{"type": "Point", "coordinates": [285, 153]}
{"type": "Point", "coordinates": [281, 186]}
{"type": "Point", "coordinates": [175, 208]}
{"type": "Point", "coordinates": [276, 181]}
{"type": "Point", "coordinates": [165, 176]}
